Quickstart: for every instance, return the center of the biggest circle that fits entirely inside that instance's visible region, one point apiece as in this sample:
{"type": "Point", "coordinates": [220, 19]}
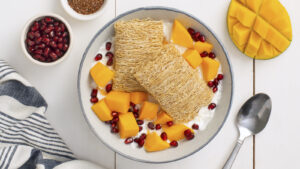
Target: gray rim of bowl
{"type": "Point", "coordinates": [112, 21]}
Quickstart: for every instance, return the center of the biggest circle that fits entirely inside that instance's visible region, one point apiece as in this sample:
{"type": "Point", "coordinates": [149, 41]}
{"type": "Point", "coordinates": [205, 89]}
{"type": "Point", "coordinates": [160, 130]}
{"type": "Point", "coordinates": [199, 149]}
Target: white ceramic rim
{"type": "Point", "coordinates": [24, 35]}
{"type": "Point", "coordinates": [76, 15]}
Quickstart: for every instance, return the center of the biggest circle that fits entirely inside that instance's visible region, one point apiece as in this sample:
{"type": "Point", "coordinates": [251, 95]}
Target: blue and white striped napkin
{"type": "Point", "coordinates": [26, 138]}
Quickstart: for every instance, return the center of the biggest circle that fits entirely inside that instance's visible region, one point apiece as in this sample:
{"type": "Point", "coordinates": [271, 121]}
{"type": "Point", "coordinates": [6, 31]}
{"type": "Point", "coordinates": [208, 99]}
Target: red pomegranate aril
{"type": "Point", "coordinates": [170, 123]}
{"type": "Point", "coordinates": [197, 35]}
{"type": "Point", "coordinates": [109, 54]}
{"type": "Point", "coordinates": [164, 136]}
{"type": "Point", "coordinates": [132, 105]}
{"type": "Point", "coordinates": [212, 55]}
{"type": "Point", "coordinates": [58, 52]}
{"type": "Point", "coordinates": [48, 20]}
{"type": "Point", "coordinates": [191, 31]}
{"type": "Point", "coordinates": [220, 77]}
{"type": "Point", "coordinates": [190, 137]}
{"type": "Point", "coordinates": [60, 40]}
{"type": "Point", "coordinates": [140, 122]}
{"type": "Point", "coordinates": [151, 125]}
{"type": "Point", "coordinates": [141, 143]}
{"type": "Point", "coordinates": [109, 62]}
{"type": "Point", "coordinates": [65, 47]}
{"type": "Point", "coordinates": [187, 132]}
{"type": "Point", "coordinates": [136, 115]}
{"type": "Point", "coordinates": [114, 114]}
{"type": "Point", "coordinates": [38, 40]}
{"type": "Point", "coordinates": [204, 54]}
{"type": "Point", "coordinates": [135, 110]}
{"type": "Point", "coordinates": [115, 119]}
{"type": "Point", "coordinates": [51, 34]}
{"type": "Point", "coordinates": [216, 82]}
{"type": "Point", "coordinates": [30, 42]}
{"type": "Point", "coordinates": [53, 44]}
{"type": "Point", "coordinates": [115, 130]}
{"type": "Point", "coordinates": [94, 100]}
{"type": "Point", "coordinates": [35, 26]}
{"type": "Point", "coordinates": [128, 140]}
{"type": "Point", "coordinates": [56, 23]}
{"type": "Point", "coordinates": [57, 29]}
{"type": "Point", "coordinates": [202, 38]}
{"type": "Point", "coordinates": [30, 49]}
{"type": "Point", "coordinates": [136, 140]}
{"type": "Point", "coordinates": [46, 40]}
{"type": "Point", "coordinates": [53, 56]}
{"type": "Point", "coordinates": [46, 52]}
{"type": "Point", "coordinates": [43, 27]}
{"type": "Point", "coordinates": [174, 143]}
{"type": "Point", "coordinates": [48, 60]}
{"type": "Point", "coordinates": [98, 57]}
{"type": "Point", "coordinates": [143, 136]}
{"type": "Point", "coordinates": [37, 56]}
{"type": "Point", "coordinates": [41, 46]}
{"type": "Point", "coordinates": [195, 126]}
{"type": "Point", "coordinates": [59, 46]}
{"type": "Point", "coordinates": [55, 38]}
{"type": "Point", "coordinates": [212, 106]}
{"type": "Point", "coordinates": [65, 34]}
{"type": "Point", "coordinates": [108, 45]}
{"type": "Point", "coordinates": [210, 84]}
{"type": "Point", "coordinates": [94, 93]}
{"type": "Point", "coordinates": [215, 89]}
{"type": "Point", "coordinates": [37, 34]}
{"type": "Point", "coordinates": [140, 128]}
{"type": "Point", "coordinates": [157, 126]}
{"type": "Point", "coordinates": [38, 51]}
{"type": "Point", "coordinates": [108, 88]}
{"type": "Point", "coordinates": [58, 34]}
{"type": "Point", "coordinates": [113, 125]}
{"type": "Point", "coordinates": [30, 35]}
{"type": "Point", "coordinates": [65, 40]}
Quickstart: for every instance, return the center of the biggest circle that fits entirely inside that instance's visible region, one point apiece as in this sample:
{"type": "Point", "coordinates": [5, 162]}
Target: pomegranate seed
{"type": "Point", "coordinates": [204, 54]}
{"type": "Point", "coordinates": [46, 40]}
{"type": "Point", "coordinates": [65, 34]}
{"type": "Point", "coordinates": [212, 55]}
{"type": "Point", "coordinates": [187, 132]}
{"type": "Point", "coordinates": [135, 110]}
{"type": "Point", "coordinates": [109, 54]}
{"type": "Point", "coordinates": [164, 136]}
{"type": "Point", "coordinates": [151, 125]}
{"type": "Point", "coordinates": [46, 52]}
{"type": "Point", "coordinates": [128, 140]}
{"type": "Point", "coordinates": [132, 105]}
{"type": "Point", "coordinates": [37, 34]}
{"type": "Point", "coordinates": [65, 47]}
{"type": "Point", "coordinates": [202, 38]}
{"type": "Point", "coordinates": [48, 20]}
{"type": "Point", "coordinates": [140, 122]}
{"type": "Point", "coordinates": [60, 40]}
{"type": "Point", "coordinates": [191, 31]}
{"type": "Point", "coordinates": [51, 34]}
{"type": "Point", "coordinates": [108, 88]}
{"type": "Point", "coordinates": [195, 126]}
{"type": "Point", "coordinates": [98, 57]}
{"type": "Point", "coordinates": [35, 26]}
{"type": "Point", "coordinates": [115, 130]}
{"type": "Point", "coordinates": [115, 114]}
{"type": "Point", "coordinates": [43, 27]}
{"type": "Point", "coordinates": [65, 40]}
{"type": "Point", "coordinates": [136, 115]}
{"type": "Point", "coordinates": [56, 23]}
{"type": "Point", "coordinates": [190, 137]}
{"type": "Point", "coordinates": [109, 62]}
{"type": "Point", "coordinates": [174, 143]}
{"type": "Point", "coordinates": [30, 42]}
{"type": "Point", "coordinates": [215, 89]}
{"type": "Point", "coordinates": [38, 40]}
{"type": "Point", "coordinates": [53, 44]}
{"type": "Point", "coordinates": [197, 35]}
{"type": "Point", "coordinates": [170, 123]}
{"type": "Point", "coordinates": [210, 84]}
{"type": "Point", "coordinates": [38, 51]}
{"type": "Point", "coordinates": [53, 56]}
{"type": "Point", "coordinates": [143, 136]}
{"type": "Point", "coordinates": [108, 46]}
{"type": "Point", "coordinates": [30, 35]}
{"type": "Point", "coordinates": [41, 46]}
{"type": "Point", "coordinates": [59, 46]}
{"type": "Point", "coordinates": [113, 124]}
{"type": "Point", "coordinates": [211, 106]}
{"type": "Point", "coordinates": [55, 38]}
{"type": "Point", "coordinates": [157, 126]}
{"type": "Point", "coordinates": [140, 128]}
{"type": "Point", "coordinates": [57, 29]}
{"type": "Point", "coordinates": [115, 119]}
{"type": "Point", "coordinates": [141, 143]}
{"type": "Point", "coordinates": [220, 76]}
{"type": "Point", "coordinates": [94, 100]}
{"type": "Point", "coordinates": [136, 140]}
{"type": "Point", "coordinates": [62, 26]}
{"type": "Point", "coordinates": [216, 82]}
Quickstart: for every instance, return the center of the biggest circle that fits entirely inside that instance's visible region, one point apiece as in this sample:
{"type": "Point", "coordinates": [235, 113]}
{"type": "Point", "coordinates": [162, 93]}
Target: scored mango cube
{"type": "Point", "coordinates": [203, 46]}
{"type": "Point", "coordinates": [153, 143]}
{"type": "Point", "coordinates": [148, 111]}
{"type": "Point", "coordinates": [163, 118]}
{"type": "Point", "coordinates": [181, 36]}
{"type": "Point", "coordinates": [176, 132]}
{"type": "Point", "coordinates": [102, 111]}
{"type": "Point", "coordinates": [127, 125]}
{"type": "Point", "coordinates": [192, 57]}
{"type": "Point", "coordinates": [210, 68]}
{"type": "Point", "coordinates": [138, 97]}
{"type": "Point", "coordinates": [101, 74]}
{"type": "Point", "coordinates": [118, 101]}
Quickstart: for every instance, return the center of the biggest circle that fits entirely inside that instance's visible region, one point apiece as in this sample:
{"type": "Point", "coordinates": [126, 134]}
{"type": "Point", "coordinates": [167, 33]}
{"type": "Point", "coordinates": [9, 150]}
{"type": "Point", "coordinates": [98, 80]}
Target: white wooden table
{"type": "Point", "coordinates": [276, 147]}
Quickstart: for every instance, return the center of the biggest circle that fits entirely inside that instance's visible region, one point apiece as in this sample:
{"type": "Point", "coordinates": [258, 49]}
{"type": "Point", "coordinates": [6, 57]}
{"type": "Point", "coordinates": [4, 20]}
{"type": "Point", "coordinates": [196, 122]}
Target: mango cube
{"type": "Point", "coordinates": [176, 132]}
{"type": "Point", "coordinates": [127, 125]}
{"type": "Point", "coordinates": [148, 111]}
{"type": "Point", "coordinates": [192, 57]}
{"type": "Point", "coordinates": [118, 101]}
{"type": "Point", "coordinates": [163, 118]}
{"type": "Point", "coordinates": [102, 111]}
{"type": "Point", "coordinates": [181, 36]}
{"type": "Point", "coordinates": [210, 68]}
{"type": "Point", "coordinates": [203, 46]}
{"type": "Point", "coordinates": [138, 97]}
{"type": "Point", "coordinates": [101, 74]}
{"type": "Point", "coordinates": [153, 143]}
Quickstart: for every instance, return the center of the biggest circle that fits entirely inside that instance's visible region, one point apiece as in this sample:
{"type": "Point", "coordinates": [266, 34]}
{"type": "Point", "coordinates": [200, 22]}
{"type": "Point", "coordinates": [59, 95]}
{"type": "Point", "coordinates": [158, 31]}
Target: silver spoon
{"type": "Point", "coordinates": [252, 118]}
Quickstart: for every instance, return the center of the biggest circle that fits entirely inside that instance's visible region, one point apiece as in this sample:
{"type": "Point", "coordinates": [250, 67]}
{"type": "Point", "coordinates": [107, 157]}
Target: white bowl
{"type": "Point", "coordinates": [82, 17]}
{"type": "Point", "coordinates": [102, 130]}
{"type": "Point", "coordinates": [24, 35]}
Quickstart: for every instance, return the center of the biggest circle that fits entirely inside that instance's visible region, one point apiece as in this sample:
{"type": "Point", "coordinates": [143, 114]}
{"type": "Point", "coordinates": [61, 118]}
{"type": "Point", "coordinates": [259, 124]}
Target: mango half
{"type": "Point", "coordinates": [261, 29]}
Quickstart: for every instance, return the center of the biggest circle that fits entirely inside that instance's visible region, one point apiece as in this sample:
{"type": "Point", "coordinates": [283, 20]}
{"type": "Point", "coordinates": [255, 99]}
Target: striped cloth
{"type": "Point", "coordinates": [26, 138]}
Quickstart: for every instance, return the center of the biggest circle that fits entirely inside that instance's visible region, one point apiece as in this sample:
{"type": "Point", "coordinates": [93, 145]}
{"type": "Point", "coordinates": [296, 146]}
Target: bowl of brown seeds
{"type": "Point", "coordinates": [84, 9]}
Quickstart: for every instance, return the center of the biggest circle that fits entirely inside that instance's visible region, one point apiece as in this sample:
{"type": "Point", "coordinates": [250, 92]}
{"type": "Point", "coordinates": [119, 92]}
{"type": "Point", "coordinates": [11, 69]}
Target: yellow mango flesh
{"type": "Point", "coordinates": [181, 36]}
{"type": "Point", "coordinates": [101, 74]}
{"type": "Point", "coordinates": [138, 97]}
{"type": "Point", "coordinates": [102, 111]}
{"type": "Point", "coordinates": [254, 21]}
{"type": "Point", "coordinates": [148, 111]}
{"type": "Point", "coordinates": [153, 143]}
{"type": "Point", "coordinates": [128, 126]}
{"type": "Point", "coordinates": [176, 132]}
{"type": "Point", "coordinates": [163, 118]}
{"type": "Point", "coordinates": [192, 57]}
{"type": "Point", "coordinates": [203, 46]}
{"type": "Point", "coordinates": [118, 101]}
{"type": "Point", "coordinates": [210, 68]}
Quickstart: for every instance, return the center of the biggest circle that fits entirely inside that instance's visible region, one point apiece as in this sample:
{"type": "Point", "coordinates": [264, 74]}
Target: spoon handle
{"type": "Point", "coordinates": [233, 154]}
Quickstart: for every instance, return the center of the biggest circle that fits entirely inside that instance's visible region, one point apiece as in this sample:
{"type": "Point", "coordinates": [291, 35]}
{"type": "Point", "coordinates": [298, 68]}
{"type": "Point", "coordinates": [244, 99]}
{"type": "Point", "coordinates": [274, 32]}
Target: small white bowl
{"type": "Point", "coordinates": [82, 17]}
{"type": "Point", "coordinates": [24, 35]}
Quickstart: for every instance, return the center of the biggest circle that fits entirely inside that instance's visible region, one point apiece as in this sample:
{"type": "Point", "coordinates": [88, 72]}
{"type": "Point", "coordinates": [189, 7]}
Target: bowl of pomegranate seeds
{"type": "Point", "coordinates": [46, 39]}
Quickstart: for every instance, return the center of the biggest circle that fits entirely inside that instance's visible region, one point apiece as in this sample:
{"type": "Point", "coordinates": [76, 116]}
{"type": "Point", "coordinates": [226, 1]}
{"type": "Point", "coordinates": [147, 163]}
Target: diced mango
{"type": "Point", "coordinates": [127, 125]}
{"type": "Point", "coordinates": [210, 68]}
{"type": "Point", "coordinates": [102, 111]}
{"type": "Point", "coordinates": [192, 57]}
{"type": "Point", "coordinates": [153, 143]}
{"type": "Point", "coordinates": [176, 132]}
{"type": "Point", "coordinates": [148, 111]}
{"type": "Point", "coordinates": [240, 34]}
{"type": "Point", "coordinates": [118, 101]}
{"type": "Point", "coordinates": [203, 46]}
{"type": "Point", "coordinates": [163, 118]}
{"type": "Point", "coordinates": [138, 97]}
{"type": "Point", "coordinates": [101, 74]}
{"type": "Point", "coordinates": [181, 36]}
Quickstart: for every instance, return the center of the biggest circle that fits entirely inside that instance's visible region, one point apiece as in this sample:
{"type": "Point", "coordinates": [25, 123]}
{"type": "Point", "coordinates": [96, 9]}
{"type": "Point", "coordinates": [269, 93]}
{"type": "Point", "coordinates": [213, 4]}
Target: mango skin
{"type": "Point", "coordinates": [271, 27]}
{"type": "Point", "coordinates": [181, 36]}
{"type": "Point", "coordinates": [153, 143]}
{"type": "Point", "coordinates": [101, 74]}
{"type": "Point", "coordinates": [127, 125]}
{"type": "Point", "coordinates": [118, 101]}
